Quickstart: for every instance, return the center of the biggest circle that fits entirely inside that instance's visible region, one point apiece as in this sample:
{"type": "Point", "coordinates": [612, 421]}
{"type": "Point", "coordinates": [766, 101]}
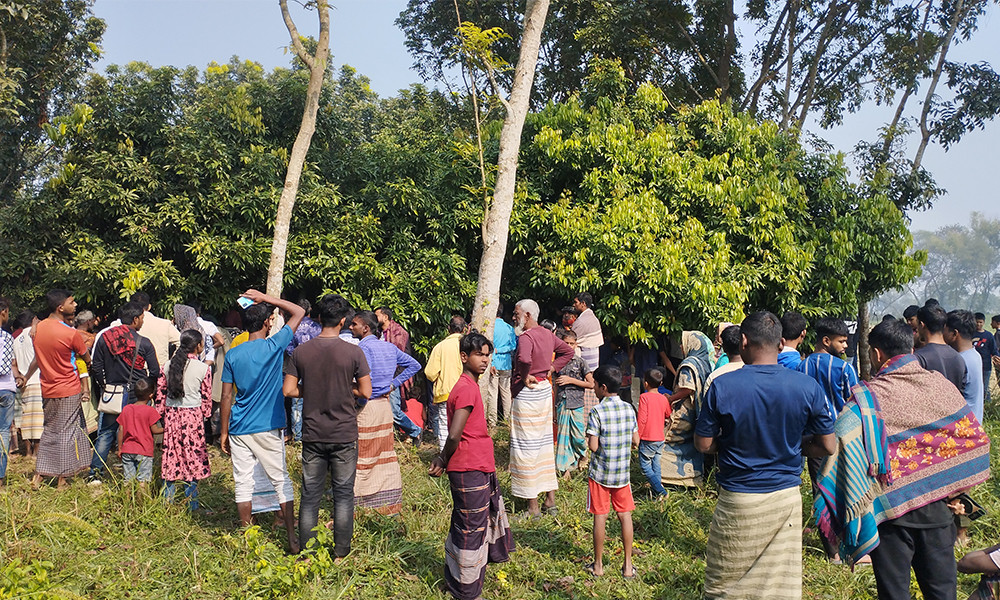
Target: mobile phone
{"type": "Point", "coordinates": [244, 302]}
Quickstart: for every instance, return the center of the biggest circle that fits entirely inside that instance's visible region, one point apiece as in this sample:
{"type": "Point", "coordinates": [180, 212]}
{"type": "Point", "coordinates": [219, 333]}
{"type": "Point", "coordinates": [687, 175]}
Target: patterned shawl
{"type": "Point", "coordinates": [186, 318]}
{"type": "Point", "coordinates": [121, 342]}
{"type": "Point", "coordinates": [851, 479]}
{"type": "Point", "coordinates": [937, 447]}
{"type": "Point", "coordinates": [697, 363]}
{"type": "Point", "coordinates": [906, 439]}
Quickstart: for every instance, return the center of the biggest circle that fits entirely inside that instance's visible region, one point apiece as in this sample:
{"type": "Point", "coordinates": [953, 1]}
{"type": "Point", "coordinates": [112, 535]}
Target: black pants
{"type": "Point", "coordinates": [931, 552]}
{"type": "Point", "coordinates": [341, 462]}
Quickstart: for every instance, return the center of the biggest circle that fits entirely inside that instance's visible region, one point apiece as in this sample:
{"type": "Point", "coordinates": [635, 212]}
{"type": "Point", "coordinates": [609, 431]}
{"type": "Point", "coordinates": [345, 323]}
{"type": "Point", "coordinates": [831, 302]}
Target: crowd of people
{"type": "Point", "coordinates": [891, 460]}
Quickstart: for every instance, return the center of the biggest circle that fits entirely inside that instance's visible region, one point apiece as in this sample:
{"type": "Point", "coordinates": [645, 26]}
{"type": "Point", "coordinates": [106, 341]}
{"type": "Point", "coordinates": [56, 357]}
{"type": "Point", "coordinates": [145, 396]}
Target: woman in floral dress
{"type": "Point", "coordinates": [184, 398]}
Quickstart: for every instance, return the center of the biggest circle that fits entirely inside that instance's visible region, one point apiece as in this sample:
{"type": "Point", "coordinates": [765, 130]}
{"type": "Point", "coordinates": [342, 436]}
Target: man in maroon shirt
{"type": "Point", "coordinates": [532, 456]}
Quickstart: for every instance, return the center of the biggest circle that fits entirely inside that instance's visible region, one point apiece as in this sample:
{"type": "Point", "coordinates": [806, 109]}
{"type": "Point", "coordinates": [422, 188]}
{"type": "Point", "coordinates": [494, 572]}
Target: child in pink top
{"type": "Point", "coordinates": [654, 410]}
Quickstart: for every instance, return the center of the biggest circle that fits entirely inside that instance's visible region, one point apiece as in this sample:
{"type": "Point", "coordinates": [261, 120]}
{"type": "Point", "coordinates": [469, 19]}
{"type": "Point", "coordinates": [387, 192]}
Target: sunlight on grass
{"type": "Point", "coordinates": [115, 542]}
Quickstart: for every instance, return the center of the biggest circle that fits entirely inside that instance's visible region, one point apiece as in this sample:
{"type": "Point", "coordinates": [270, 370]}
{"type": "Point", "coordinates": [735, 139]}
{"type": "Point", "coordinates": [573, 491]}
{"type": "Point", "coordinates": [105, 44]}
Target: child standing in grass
{"type": "Point", "coordinates": [654, 410]}
{"type": "Point", "coordinates": [573, 380]}
{"type": "Point", "coordinates": [611, 434]}
{"type": "Point", "coordinates": [137, 424]}
{"type": "Point", "coordinates": [479, 532]}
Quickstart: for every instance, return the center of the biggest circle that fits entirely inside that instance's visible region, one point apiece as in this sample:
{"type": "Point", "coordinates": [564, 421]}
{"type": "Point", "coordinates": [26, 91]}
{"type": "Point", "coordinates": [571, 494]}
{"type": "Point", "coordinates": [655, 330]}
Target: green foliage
{"type": "Point", "coordinates": [685, 219]}
{"type": "Point", "coordinates": [47, 47]}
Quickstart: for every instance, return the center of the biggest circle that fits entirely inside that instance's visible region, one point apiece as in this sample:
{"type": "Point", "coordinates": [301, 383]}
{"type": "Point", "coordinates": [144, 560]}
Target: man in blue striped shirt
{"type": "Point", "coordinates": [836, 376]}
{"type": "Point", "coordinates": [383, 360]}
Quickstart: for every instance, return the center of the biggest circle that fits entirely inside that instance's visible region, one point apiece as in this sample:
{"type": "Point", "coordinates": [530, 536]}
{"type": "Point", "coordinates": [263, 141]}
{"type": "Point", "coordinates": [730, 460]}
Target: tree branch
{"type": "Point", "coordinates": [293, 32]}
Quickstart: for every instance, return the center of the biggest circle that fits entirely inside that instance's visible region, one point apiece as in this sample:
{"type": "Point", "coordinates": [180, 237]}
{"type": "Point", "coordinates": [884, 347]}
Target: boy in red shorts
{"type": "Point", "coordinates": [612, 432]}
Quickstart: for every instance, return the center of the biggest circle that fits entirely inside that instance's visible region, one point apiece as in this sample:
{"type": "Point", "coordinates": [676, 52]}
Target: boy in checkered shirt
{"type": "Point", "coordinates": [612, 432]}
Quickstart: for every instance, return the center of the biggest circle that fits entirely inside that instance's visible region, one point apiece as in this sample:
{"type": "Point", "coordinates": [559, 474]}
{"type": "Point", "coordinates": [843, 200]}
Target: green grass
{"type": "Point", "coordinates": [114, 542]}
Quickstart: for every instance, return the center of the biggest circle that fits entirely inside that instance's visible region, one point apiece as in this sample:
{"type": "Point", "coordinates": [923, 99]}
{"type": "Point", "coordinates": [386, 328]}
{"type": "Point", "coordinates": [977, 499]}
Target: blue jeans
{"type": "Point", "coordinates": [137, 466]}
{"type": "Point", "coordinates": [297, 419]}
{"type": "Point", "coordinates": [107, 433]}
{"type": "Point", "coordinates": [649, 462]}
{"type": "Point", "coordinates": [6, 417]}
{"type": "Point", "coordinates": [399, 417]}
{"type": "Point", "coordinates": [341, 462]}
{"type": "Point", "coordinates": [190, 492]}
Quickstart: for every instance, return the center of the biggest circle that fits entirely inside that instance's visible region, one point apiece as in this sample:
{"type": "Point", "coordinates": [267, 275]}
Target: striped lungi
{"type": "Point", "coordinates": [64, 448]}
{"type": "Point", "coordinates": [32, 416]}
{"type": "Point", "coordinates": [571, 441]}
{"type": "Point", "coordinates": [479, 532]}
{"type": "Point", "coordinates": [532, 452]}
{"type": "Point", "coordinates": [378, 484]}
{"type": "Point", "coordinates": [755, 546]}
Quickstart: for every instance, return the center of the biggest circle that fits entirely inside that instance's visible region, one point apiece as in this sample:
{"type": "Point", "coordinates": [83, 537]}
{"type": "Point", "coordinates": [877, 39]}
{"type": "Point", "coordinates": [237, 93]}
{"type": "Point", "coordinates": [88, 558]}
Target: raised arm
{"type": "Point", "coordinates": [295, 311]}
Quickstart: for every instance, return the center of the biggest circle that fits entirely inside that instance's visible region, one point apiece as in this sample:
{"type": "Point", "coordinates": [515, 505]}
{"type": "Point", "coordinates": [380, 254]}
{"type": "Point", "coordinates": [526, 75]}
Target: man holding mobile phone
{"type": "Point", "coordinates": [253, 421]}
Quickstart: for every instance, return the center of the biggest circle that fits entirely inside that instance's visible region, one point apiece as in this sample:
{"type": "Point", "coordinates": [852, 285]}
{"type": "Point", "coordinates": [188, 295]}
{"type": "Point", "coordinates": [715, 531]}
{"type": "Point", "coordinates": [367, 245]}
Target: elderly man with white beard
{"type": "Point", "coordinates": [532, 456]}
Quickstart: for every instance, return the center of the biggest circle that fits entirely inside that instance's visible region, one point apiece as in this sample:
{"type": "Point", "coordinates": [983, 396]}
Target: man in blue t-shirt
{"type": "Point", "coordinates": [760, 420]}
{"type": "Point", "coordinates": [252, 424]}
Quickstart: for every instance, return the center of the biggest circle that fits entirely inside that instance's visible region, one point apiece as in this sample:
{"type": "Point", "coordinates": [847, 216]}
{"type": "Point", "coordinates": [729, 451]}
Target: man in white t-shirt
{"type": "Point", "coordinates": [160, 332]}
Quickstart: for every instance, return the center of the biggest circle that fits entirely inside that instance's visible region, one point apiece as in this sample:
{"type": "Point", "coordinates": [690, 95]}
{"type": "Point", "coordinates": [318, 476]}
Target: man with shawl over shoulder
{"type": "Point", "coordinates": [121, 357]}
{"type": "Point", "coordinates": [532, 456]}
{"type": "Point", "coordinates": [936, 450]}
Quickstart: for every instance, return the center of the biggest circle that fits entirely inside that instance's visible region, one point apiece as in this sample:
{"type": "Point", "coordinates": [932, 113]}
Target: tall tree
{"type": "Point", "coordinates": [496, 220]}
{"type": "Point", "coordinates": [45, 48]}
{"type": "Point", "coordinates": [316, 63]}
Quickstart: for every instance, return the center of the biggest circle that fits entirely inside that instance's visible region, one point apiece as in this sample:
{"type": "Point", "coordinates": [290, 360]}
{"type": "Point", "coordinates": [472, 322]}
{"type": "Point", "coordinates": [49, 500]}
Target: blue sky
{"type": "Point", "coordinates": [363, 35]}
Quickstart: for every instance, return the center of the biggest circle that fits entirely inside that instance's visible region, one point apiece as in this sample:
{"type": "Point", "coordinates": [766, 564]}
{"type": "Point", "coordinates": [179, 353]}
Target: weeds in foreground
{"type": "Point", "coordinates": [115, 542]}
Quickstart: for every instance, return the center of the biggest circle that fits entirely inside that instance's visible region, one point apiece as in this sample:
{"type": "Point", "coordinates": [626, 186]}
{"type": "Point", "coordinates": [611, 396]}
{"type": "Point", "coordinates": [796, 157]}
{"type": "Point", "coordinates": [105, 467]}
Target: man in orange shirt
{"type": "Point", "coordinates": [64, 449]}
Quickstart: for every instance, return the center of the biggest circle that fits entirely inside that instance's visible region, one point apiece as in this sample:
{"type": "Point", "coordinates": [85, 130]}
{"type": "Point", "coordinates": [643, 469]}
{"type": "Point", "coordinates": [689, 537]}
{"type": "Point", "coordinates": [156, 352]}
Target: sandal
{"type": "Point", "coordinates": [630, 576]}
{"type": "Point", "coordinates": [551, 510]}
{"type": "Point", "coordinates": [589, 568]}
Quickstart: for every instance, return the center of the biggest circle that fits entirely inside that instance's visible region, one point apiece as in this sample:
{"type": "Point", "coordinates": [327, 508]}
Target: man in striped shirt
{"type": "Point", "coordinates": [836, 376]}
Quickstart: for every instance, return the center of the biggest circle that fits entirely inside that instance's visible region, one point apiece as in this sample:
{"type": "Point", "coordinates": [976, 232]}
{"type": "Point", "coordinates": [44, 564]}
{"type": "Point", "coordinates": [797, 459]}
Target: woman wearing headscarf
{"type": "Point", "coordinates": [680, 463]}
{"type": "Point", "coordinates": [186, 318]}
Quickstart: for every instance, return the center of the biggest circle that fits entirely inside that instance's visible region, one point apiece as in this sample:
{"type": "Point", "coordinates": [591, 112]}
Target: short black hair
{"type": "Point", "coordinates": [996, 318]}
{"type": "Point", "coordinates": [143, 387]}
{"type": "Point", "coordinates": [130, 311]}
{"type": "Point", "coordinates": [142, 298]}
{"type": "Point", "coordinates": [586, 298]}
{"type": "Point", "coordinates": [333, 309]}
{"type": "Point", "coordinates": [456, 324]}
{"type": "Point", "coordinates": [932, 302]}
{"type": "Point", "coordinates": [792, 325]}
{"type": "Point", "coordinates": [762, 329]}
{"type": "Point", "coordinates": [55, 298]}
{"type": "Point", "coordinates": [23, 320]}
{"type": "Point", "coordinates": [910, 311]}
{"type": "Point", "coordinates": [385, 310]}
{"type": "Point", "coordinates": [256, 315]}
{"type": "Point", "coordinates": [962, 321]}
{"type": "Point", "coordinates": [473, 341]}
{"type": "Point", "coordinates": [892, 338]}
{"type": "Point", "coordinates": [368, 318]}
{"type": "Point", "coordinates": [196, 305]}
{"type": "Point", "coordinates": [654, 377]}
{"type": "Point", "coordinates": [4, 304]}
{"type": "Point", "coordinates": [609, 376]}
{"type": "Point", "coordinates": [566, 334]}
{"type": "Point", "coordinates": [831, 327]}
{"type": "Point", "coordinates": [500, 310]}
{"type": "Point", "coordinates": [980, 316]}
{"type": "Point", "coordinates": [305, 304]}
{"type": "Point", "coordinates": [933, 317]}
{"type": "Point", "coordinates": [549, 324]}
{"type": "Point", "coordinates": [888, 317]}
{"type": "Point", "coordinates": [732, 339]}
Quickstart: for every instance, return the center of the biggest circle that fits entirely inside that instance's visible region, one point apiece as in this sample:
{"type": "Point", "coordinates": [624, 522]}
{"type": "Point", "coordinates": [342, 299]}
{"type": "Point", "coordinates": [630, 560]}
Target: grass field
{"type": "Point", "coordinates": [113, 542]}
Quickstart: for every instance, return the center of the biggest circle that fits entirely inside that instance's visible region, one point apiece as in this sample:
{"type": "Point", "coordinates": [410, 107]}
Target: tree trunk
{"type": "Point", "coordinates": [297, 159]}
{"type": "Point", "coordinates": [497, 223]}
{"type": "Point", "coordinates": [864, 363]}
{"type": "Point", "coordinates": [925, 131]}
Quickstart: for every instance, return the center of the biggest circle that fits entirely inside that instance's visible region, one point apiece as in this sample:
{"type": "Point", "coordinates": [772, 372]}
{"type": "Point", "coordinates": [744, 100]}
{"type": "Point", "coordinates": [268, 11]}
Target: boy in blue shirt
{"type": "Point", "coordinates": [252, 425]}
{"type": "Point", "coordinates": [836, 376]}
{"type": "Point", "coordinates": [612, 432]}
{"type": "Point", "coordinates": [793, 331]}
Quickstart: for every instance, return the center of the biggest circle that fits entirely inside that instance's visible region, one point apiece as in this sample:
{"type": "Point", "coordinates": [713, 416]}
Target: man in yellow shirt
{"type": "Point", "coordinates": [444, 367]}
